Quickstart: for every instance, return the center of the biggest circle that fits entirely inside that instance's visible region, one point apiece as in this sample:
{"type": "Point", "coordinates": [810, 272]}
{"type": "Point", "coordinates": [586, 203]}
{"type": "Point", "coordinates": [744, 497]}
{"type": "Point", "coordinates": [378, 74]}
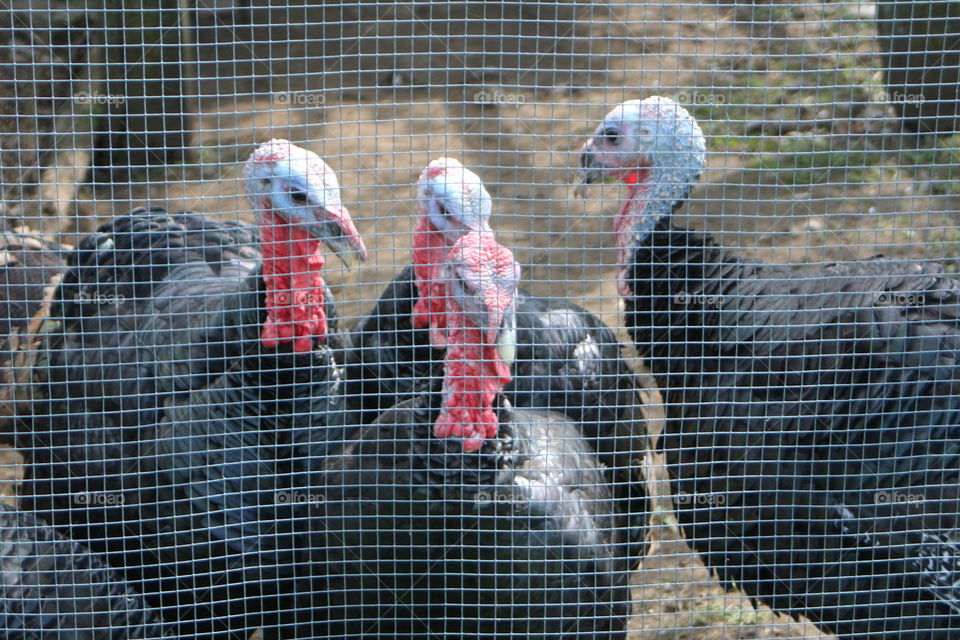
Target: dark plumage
{"type": "Point", "coordinates": [813, 414]}
{"type": "Point", "coordinates": [52, 587]}
{"type": "Point", "coordinates": [517, 538]}
{"type": "Point", "coordinates": [454, 514]}
{"type": "Point", "coordinates": [567, 359]}
{"type": "Point", "coordinates": [387, 359]}
{"type": "Point", "coordinates": [178, 416]}
{"type": "Point", "coordinates": [154, 306]}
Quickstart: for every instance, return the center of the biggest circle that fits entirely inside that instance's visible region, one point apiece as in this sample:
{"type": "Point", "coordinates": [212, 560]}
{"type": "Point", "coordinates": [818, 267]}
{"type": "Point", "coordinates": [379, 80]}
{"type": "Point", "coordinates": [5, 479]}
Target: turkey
{"type": "Point", "coordinates": [813, 414]}
{"type": "Point", "coordinates": [389, 356]}
{"type": "Point", "coordinates": [191, 382]}
{"type": "Point", "coordinates": [51, 587]}
{"type": "Point", "coordinates": [456, 515]}
{"type": "Point", "coordinates": [567, 359]}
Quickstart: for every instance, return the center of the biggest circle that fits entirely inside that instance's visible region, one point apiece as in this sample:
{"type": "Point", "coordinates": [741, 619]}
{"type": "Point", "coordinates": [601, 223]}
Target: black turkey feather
{"type": "Point", "coordinates": [519, 539]}
{"type": "Point", "coordinates": [51, 587]}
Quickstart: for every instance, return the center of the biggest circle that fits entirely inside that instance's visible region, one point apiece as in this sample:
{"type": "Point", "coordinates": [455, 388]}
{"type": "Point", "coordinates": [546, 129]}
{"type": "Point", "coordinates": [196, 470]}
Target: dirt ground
{"type": "Point", "coordinates": [522, 141]}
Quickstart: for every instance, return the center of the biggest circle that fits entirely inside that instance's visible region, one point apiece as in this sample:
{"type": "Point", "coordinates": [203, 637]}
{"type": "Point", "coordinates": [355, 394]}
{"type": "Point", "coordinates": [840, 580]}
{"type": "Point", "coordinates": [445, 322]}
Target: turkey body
{"type": "Point", "coordinates": [812, 432]}
{"type": "Point", "coordinates": [813, 429]}
{"type": "Point", "coordinates": [143, 314]}
{"type": "Point", "coordinates": [171, 435]}
{"type": "Point", "coordinates": [567, 361]}
{"type": "Point", "coordinates": [422, 539]}
{"type": "Point", "coordinates": [52, 587]}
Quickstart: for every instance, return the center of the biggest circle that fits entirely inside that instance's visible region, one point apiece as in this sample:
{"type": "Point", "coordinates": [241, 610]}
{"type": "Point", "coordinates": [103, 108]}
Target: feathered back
{"type": "Point", "coordinates": [53, 587]}
{"type": "Point", "coordinates": [813, 431]}
{"type": "Point", "coordinates": [421, 538]}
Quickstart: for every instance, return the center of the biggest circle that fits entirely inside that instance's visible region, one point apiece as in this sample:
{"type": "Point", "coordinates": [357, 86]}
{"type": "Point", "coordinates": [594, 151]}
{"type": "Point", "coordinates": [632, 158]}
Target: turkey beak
{"type": "Point", "coordinates": [338, 233]}
{"type": "Point", "coordinates": [507, 337]}
{"type": "Point", "coordinates": [590, 171]}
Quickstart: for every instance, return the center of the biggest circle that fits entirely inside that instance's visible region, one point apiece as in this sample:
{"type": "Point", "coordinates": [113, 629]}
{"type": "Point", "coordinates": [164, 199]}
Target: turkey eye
{"type": "Point", "coordinates": [298, 197]}
{"type": "Point", "coordinates": [612, 136]}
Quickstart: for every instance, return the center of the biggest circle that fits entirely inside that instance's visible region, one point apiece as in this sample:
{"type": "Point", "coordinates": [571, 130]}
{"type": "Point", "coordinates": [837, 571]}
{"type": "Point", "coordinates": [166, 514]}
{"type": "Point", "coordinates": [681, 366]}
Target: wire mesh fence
{"type": "Point", "coordinates": [415, 320]}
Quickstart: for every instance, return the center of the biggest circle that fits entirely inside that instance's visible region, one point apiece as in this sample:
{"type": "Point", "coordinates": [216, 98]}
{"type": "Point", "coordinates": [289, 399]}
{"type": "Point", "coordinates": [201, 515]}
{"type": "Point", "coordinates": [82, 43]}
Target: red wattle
{"type": "Point", "coordinates": [473, 376]}
{"type": "Point", "coordinates": [429, 251]}
{"type": "Point", "coordinates": [292, 270]}
{"type": "Point", "coordinates": [624, 223]}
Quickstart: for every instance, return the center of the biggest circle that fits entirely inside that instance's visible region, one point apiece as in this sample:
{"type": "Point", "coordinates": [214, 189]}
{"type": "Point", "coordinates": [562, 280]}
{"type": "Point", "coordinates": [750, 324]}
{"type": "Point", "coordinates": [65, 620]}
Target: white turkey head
{"type": "Point", "coordinates": [453, 199]}
{"type": "Point", "coordinates": [655, 137]}
{"type": "Point", "coordinates": [298, 187]}
{"type": "Point", "coordinates": [656, 148]}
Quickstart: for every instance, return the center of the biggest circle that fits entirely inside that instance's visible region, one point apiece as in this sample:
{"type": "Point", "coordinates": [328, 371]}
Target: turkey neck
{"type": "Point", "coordinates": [654, 195]}
{"type": "Point", "coordinates": [677, 279]}
{"type": "Point", "coordinates": [474, 375]}
{"type": "Point", "coordinates": [292, 272]}
{"type": "Point", "coordinates": [429, 249]}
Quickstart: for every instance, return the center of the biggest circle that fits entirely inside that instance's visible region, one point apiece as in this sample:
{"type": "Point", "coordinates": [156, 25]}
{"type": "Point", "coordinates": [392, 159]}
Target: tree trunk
{"type": "Point", "coordinates": [149, 87]}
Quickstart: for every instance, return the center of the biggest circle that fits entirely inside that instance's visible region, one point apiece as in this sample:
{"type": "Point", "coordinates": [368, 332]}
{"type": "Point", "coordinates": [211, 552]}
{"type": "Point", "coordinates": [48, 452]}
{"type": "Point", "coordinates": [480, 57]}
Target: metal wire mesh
{"type": "Point", "coordinates": [765, 443]}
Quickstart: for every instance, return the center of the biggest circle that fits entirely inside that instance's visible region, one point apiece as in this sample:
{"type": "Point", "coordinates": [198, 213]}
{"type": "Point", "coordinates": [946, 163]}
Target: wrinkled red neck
{"type": "Point", "coordinates": [473, 376]}
{"type": "Point", "coordinates": [638, 181]}
{"type": "Point", "coordinates": [292, 266]}
{"type": "Point", "coordinates": [429, 251]}
{"type": "Point", "coordinates": [626, 220]}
